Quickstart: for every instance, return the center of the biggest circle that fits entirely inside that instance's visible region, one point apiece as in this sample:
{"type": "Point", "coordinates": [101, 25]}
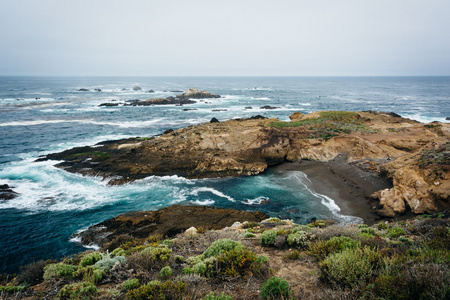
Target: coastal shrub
{"type": "Point", "coordinates": [368, 230]}
{"type": "Point", "coordinates": [222, 245]}
{"type": "Point", "coordinates": [205, 267]}
{"type": "Point", "coordinates": [395, 231]}
{"type": "Point", "coordinates": [32, 273]}
{"type": "Point", "coordinates": [179, 259]}
{"type": "Point", "coordinates": [318, 223]}
{"type": "Point", "coordinates": [239, 262]}
{"type": "Point", "coordinates": [118, 252]}
{"type": "Point", "coordinates": [440, 238]}
{"type": "Point", "coordinates": [159, 253]}
{"type": "Point", "coordinates": [262, 259]}
{"type": "Point", "coordinates": [89, 274]}
{"type": "Point", "coordinates": [58, 270]}
{"type": "Point", "coordinates": [275, 288]}
{"type": "Point", "coordinates": [107, 262]}
{"type": "Point", "coordinates": [130, 284]}
{"type": "Point", "coordinates": [80, 290]}
{"type": "Point", "coordinates": [247, 224]}
{"type": "Point", "coordinates": [293, 255]}
{"type": "Point", "coordinates": [166, 272]}
{"type": "Point", "coordinates": [248, 235]}
{"type": "Point", "coordinates": [123, 241]}
{"type": "Point", "coordinates": [405, 240]}
{"type": "Point", "coordinates": [322, 249]}
{"type": "Point", "coordinates": [90, 259]}
{"type": "Point", "coordinates": [268, 237]}
{"type": "Point", "coordinates": [157, 290]}
{"type": "Point", "coordinates": [11, 289]}
{"type": "Point", "coordinates": [188, 271]}
{"type": "Point", "coordinates": [144, 261]}
{"type": "Point", "coordinates": [213, 296]}
{"type": "Point", "coordinates": [351, 267]}
{"type": "Point", "coordinates": [300, 239]}
{"type": "Point", "coordinates": [383, 226]}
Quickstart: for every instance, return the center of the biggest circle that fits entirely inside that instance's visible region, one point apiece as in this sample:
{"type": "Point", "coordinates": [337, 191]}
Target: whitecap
{"type": "Point", "coordinates": [204, 202]}
{"type": "Point", "coordinates": [255, 201]}
{"type": "Point", "coordinates": [212, 191]}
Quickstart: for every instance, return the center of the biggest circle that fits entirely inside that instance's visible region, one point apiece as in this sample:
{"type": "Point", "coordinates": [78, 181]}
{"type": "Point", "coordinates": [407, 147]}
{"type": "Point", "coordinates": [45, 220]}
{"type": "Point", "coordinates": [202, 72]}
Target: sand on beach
{"type": "Point", "coordinates": [346, 183]}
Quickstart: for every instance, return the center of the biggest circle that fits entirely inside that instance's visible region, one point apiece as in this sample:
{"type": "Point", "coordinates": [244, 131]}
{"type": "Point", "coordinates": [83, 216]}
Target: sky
{"type": "Point", "coordinates": [225, 38]}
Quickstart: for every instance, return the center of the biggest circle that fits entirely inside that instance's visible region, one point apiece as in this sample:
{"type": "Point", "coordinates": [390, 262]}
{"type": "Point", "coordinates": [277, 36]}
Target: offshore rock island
{"type": "Point", "coordinates": [414, 156]}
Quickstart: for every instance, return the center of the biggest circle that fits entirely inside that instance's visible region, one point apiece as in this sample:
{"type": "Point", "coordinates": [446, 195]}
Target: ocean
{"type": "Point", "coordinates": [41, 115]}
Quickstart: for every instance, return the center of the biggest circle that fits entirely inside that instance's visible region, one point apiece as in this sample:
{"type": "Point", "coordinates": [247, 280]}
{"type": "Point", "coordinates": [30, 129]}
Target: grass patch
{"type": "Point", "coordinates": [329, 124]}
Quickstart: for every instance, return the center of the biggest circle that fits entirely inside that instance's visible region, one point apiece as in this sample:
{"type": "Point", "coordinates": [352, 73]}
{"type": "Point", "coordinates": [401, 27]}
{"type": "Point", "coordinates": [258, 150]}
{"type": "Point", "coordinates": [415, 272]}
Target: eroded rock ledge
{"type": "Point", "coordinates": [414, 155]}
{"type": "Point", "coordinates": [168, 221]}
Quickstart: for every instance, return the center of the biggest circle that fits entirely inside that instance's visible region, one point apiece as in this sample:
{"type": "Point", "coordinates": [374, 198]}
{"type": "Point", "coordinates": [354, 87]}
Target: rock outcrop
{"type": "Point", "coordinates": [386, 142]}
{"type": "Point", "coordinates": [185, 98]}
{"type": "Point", "coordinates": [6, 193]}
{"type": "Point", "coordinates": [168, 222]}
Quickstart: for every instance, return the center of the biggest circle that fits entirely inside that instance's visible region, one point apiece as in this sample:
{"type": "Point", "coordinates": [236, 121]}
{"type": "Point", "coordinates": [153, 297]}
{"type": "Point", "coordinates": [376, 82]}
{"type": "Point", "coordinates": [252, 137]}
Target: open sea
{"type": "Point", "coordinates": [41, 115]}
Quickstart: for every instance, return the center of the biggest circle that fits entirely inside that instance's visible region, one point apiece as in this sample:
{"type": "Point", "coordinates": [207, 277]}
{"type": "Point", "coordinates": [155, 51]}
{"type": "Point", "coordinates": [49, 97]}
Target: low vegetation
{"type": "Point", "coordinates": [280, 260]}
{"type": "Point", "coordinates": [329, 124]}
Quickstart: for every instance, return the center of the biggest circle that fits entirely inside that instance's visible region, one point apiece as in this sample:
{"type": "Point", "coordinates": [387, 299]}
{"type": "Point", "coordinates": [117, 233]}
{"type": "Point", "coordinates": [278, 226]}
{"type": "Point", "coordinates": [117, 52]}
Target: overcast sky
{"type": "Point", "coordinates": [231, 37]}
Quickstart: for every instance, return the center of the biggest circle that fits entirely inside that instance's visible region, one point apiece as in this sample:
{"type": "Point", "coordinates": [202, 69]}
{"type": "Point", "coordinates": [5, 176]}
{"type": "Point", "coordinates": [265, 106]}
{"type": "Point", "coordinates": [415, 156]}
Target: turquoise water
{"type": "Point", "coordinates": [40, 115]}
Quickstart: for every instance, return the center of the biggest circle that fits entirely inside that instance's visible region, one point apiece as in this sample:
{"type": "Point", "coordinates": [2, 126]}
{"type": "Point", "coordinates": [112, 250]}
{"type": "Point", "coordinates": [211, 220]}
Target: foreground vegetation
{"type": "Point", "coordinates": [273, 259]}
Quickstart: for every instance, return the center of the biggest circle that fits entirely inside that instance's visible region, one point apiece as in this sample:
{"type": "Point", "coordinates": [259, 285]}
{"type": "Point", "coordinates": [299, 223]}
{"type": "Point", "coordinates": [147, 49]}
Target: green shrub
{"type": "Point", "coordinates": [166, 272]}
{"type": "Point", "coordinates": [213, 296]}
{"type": "Point", "coordinates": [275, 288]}
{"type": "Point", "coordinates": [382, 226]}
{"type": "Point", "coordinates": [322, 249]}
{"type": "Point", "coordinates": [395, 232]}
{"type": "Point", "coordinates": [361, 226]}
{"type": "Point", "coordinates": [239, 262]}
{"type": "Point", "coordinates": [268, 237]}
{"type": "Point", "coordinates": [90, 259]}
{"type": "Point", "coordinates": [248, 235]}
{"type": "Point", "coordinates": [59, 270]}
{"type": "Point", "coordinates": [81, 290]}
{"type": "Point", "coordinates": [221, 246]}
{"type": "Point", "coordinates": [157, 290]}
{"type": "Point", "coordinates": [318, 223]}
{"type": "Point", "coordinates": [293, 255]}
{"type": "Point", "coordinates": [405, 240]}
{"type": "Point", "coordinates": [205, 267]}
{"type": "Point", "coordinates": [107, 262]}
{"type": "Point", "coordinates": [300, 239]}
{"type": "Point", "coordinates": [179, 259]}
{"type": "Point", "coordinates": [118, 252]}
{"type": "Point", "coordinates": [188, 271]}
{"type": "Point", "coordinates": [11, 289]}
{"type": "Point", "coordinates": [159, 253]}
{"type": "Point", "coordinates": [368, 230]}
{"type": "Point", "coordinates": [351, 267]}
{"type": "Point", "coordinates": [262, 259]}
{"type": "Point", "coordinates": [130, 284]}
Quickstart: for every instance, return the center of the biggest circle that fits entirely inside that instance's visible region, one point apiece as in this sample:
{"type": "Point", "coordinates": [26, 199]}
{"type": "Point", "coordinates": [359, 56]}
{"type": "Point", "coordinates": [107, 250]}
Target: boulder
{"type": "Point", "coordinates": [168, 222]}
{"type": "Point", "coordinates": [137, 88]}
{"type": "Point", "coordinates": [268, 107]}
{"type": "Point", "coordinates": [6, 193]}
{"type": "Point", "coordinates": [214, 120]}
{"type": "Point", "coordinates": [83, 90]}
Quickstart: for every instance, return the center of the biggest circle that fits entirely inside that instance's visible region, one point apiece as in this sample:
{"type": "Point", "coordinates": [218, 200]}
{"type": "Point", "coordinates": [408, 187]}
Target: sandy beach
{"type": "Point", "coordinates": [346, 183]}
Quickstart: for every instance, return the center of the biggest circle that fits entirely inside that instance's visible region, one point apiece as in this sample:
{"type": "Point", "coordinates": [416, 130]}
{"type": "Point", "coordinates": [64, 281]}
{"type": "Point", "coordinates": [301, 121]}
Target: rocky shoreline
{"type": "Point", "coordinates": [414, 156]}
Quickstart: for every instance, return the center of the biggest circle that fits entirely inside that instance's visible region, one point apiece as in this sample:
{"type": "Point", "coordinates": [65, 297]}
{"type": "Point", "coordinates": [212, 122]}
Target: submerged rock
{"type": "Point", "coordinates": [268, 107]}
{"type": "Point", "coordinates": [137, 88]}
{"type": "Point", "coordinates": [83, 90]}
{"type": "Point", "coordinates": [109, 104]}
{"type": "Point", "coordinates": [168, 222]}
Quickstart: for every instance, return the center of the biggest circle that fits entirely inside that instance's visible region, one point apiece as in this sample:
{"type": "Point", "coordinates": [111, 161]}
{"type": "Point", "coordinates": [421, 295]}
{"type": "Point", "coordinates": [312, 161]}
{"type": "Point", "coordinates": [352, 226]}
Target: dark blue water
{"type": "Point", "coordinates": [40, 115]}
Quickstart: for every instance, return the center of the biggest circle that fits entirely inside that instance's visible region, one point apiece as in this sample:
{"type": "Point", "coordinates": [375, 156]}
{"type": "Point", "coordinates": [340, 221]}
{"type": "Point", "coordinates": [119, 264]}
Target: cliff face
{"type": "Point", "coordinates": [414, 155]}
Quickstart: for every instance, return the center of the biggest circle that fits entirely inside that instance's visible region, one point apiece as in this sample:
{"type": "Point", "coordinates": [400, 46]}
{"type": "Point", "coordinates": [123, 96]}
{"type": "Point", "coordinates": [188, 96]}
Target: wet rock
{"type": "Point", "coordinates": [220, 110]}
{"type": "Point", "coordinates": [98, 90]}
{"type": "Point", "coordinates": [168, 221]}
{"type": "Point", "coordinates": [83, 90]}
{"type": "Point", "coordinates": [137, 88]}
{"type": "Point", "coordinates": [214, 120]}
{"type": "Point", "coordinates": [448, 118]}
{"type": "Point", "coordinates": [168, 131]}
{"type": "Point", "coordinates": [6, 193]}
{"type": "Point", "coordinates": [109, 104]}
{"type": "Point", "coordinates": [176, 91]}
{"type": "Point", "coordinates": [150, 91]}
{"type": "Point", "coordinates": [188, 109]}
{"type": "Point", "coordinates": [268, 107]}
{"type": "Point", "coordinates": [257, 117]}
{"type": "Point", "coordinates": [248, 107]}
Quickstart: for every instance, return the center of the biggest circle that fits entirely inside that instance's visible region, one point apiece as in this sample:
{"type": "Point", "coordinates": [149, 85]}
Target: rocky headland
{"type": "Point", "coordinates": [412, 155]}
